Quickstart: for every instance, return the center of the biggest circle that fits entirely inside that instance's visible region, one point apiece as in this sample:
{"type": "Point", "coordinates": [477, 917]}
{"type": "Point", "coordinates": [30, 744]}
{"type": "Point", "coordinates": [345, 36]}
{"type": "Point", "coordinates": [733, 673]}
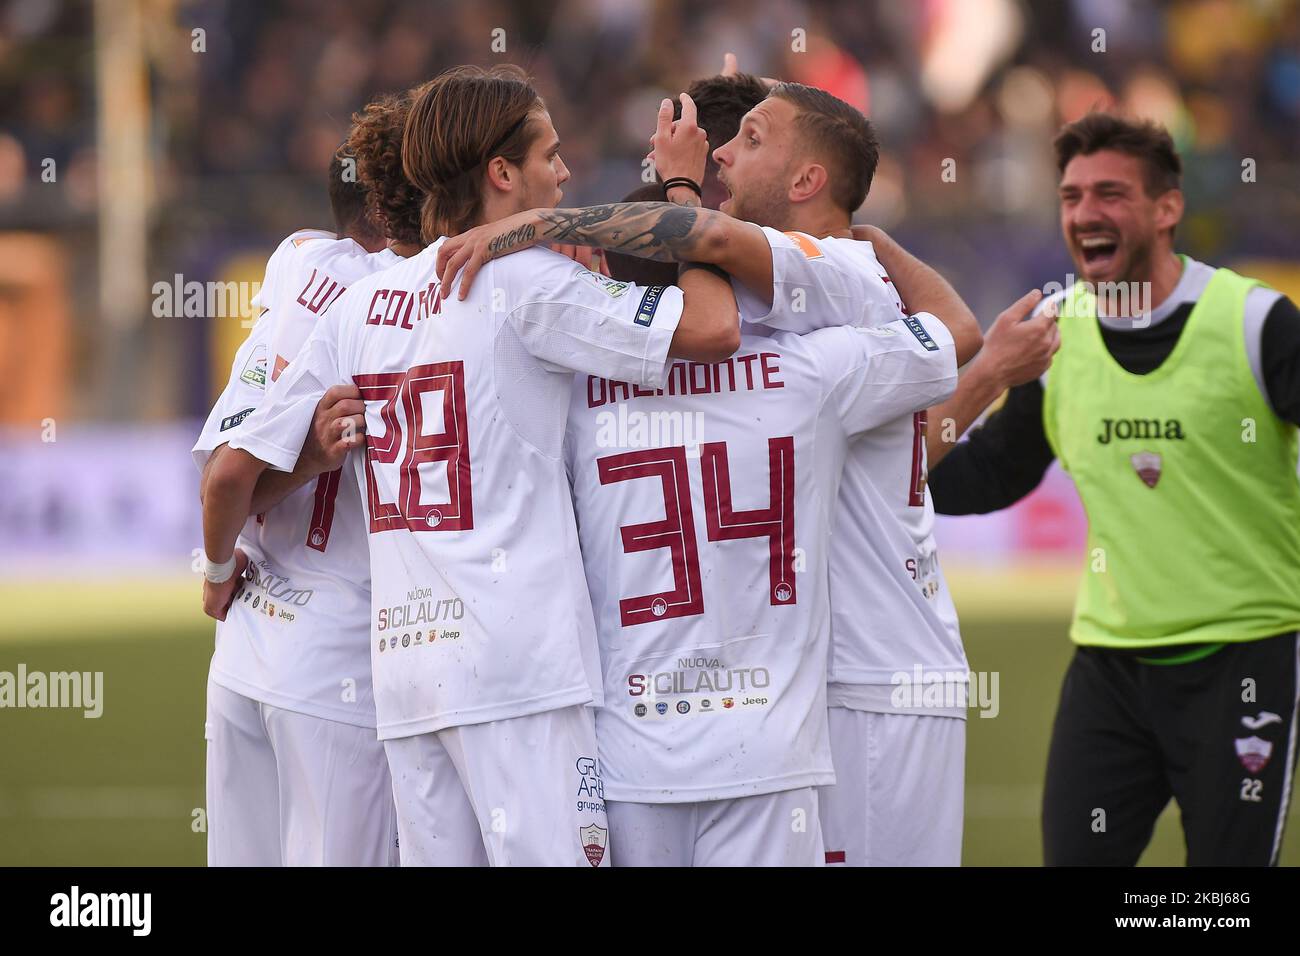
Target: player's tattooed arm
{"type": "Point", "coordinates": [682, 196]}
{"type": "Point", "coordinates": [667, 232]}
{"type": "Point", "coordinates": [520, 238]}
{"type": "Point", "coordinates": [663, 231]}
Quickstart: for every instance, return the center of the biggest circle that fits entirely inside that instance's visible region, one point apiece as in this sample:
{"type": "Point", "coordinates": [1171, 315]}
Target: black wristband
{"type": "Point", "coordinates": [683, 181]}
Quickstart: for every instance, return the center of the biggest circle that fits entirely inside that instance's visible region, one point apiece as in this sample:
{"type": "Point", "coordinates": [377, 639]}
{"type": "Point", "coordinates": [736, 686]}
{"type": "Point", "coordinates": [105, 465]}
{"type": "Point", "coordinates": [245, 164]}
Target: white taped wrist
{"type": "Point", "coordinates": [218, 573]}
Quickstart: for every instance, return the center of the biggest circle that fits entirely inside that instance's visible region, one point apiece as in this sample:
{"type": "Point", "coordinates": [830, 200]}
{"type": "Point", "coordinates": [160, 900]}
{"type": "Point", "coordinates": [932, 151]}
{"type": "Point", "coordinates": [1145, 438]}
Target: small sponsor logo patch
{"type": "Point", "coordinates": [922, 336]}
{"type": "Point", "coordinates": [1147, 466]}
{"type": "Point", "coordinates": [611, 287]}
{"type": "Point", "coordinates": [230, 421]}
{"type": "Point", "coordinates": [1265, 718]}
{"type": "Point", "coordinates": [806, 244]}
{"type": "Point", "coordinates": [645, 312]}
{"type": "Point", "coordinates": [254, 372]}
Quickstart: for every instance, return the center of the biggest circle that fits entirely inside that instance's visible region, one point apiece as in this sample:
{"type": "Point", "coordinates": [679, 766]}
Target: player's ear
{"type": "Point", "coordinates": [1169, 210]}
{"type": "Point", "coordinates": [809, 180]}
{"type": "Point", "coordinates": [499, 174]}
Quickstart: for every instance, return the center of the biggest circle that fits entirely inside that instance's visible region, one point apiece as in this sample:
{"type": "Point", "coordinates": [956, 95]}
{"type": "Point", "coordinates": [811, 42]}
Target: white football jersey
{"type": "Point", "coordinates": [480, 607]}
{"type": "Point", "coordinates": [297, 637]}
{"type": "Point", "coordinates": [891, 610]}
{"type": "Point", "coordinates": [704, 514]}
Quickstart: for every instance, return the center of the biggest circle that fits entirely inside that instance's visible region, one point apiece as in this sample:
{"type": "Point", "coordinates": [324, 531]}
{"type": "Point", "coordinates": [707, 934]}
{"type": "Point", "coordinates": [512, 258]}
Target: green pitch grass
{"type": "Point", "coordinates": [127, 788]}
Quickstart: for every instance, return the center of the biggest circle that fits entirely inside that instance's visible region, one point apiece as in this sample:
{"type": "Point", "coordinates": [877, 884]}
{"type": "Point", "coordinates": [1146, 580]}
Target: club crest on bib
{"type": "Point", "coordinates": [593, 839]}
{"type": "Point", "coordinates": [1147, 466]}
{"type": "Point", "coordinates": [1253, 752]}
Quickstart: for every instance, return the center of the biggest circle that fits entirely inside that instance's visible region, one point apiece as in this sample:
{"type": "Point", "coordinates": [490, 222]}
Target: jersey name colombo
{"type": "Point", "coordinates": [480, 609]}
{"type": "Point", "coordinates": [297, 636]}
{"type": "Point", "coordinates": [704, 510]}
{"type": "Point", "coordinates": [891, 611]}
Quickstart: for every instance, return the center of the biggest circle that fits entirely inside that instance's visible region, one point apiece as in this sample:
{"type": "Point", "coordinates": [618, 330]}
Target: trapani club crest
{"type": "Point", "coordinates": [593, 839]}
{"type": "Point", "coordinates": [1147, 466]}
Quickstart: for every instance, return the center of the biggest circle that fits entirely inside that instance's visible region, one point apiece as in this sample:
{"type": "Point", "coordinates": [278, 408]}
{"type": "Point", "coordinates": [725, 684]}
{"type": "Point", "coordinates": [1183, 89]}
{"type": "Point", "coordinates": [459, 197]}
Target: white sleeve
{"type": "Point", "coordinates": [276, 431]}
{"type": "Point", "coordinates": [876, 374]}
{"type": "Point", "coordinates": [820, 283]}
{"type": "Point", "coordinates": [271, 275]}
{"type": "Point", "coordinates": [243, 393]}
{"type": "Point", "coordinates": [577, 320]}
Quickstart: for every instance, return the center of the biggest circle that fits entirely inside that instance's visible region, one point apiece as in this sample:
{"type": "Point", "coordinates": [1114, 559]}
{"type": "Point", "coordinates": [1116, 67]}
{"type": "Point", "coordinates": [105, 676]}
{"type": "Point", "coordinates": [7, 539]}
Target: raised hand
{"type": "Point", "coordinates": [679, 148]}
{"type": "Point", "coordinates": [1018, 347]}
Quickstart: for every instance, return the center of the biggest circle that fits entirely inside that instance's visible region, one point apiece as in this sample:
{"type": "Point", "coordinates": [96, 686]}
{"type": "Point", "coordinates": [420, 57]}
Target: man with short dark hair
{"type": "Point", "coordinates": [1173, 403]}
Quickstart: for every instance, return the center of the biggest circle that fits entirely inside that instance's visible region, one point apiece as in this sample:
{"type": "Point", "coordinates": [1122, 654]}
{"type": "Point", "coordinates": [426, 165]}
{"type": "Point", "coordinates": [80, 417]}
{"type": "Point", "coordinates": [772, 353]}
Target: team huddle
{"type": "Point", "coordinates": [525, 554]}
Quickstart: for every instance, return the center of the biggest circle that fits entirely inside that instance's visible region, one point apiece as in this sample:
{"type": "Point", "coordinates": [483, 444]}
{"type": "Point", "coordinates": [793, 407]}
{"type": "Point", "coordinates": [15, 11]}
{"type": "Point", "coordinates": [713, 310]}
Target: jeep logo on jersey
{"type": "Point", "coordinates": [1143, 429]}
{"type": "Point", "coordinates": [1253, 752]}
{"type": "Point", "coordinates": [1147, 466]}
{"type": "Point", "coordinates": [593, 839]}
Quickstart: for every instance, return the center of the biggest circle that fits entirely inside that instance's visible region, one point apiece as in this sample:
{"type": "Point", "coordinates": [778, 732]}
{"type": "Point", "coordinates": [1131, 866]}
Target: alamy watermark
{"type": "Point", "coordinates": [216, 300]}
{"type": "Point", "coordinates": [924, 689]}
{"type": "Point", "coordinates": [1113, 300]}
{"type": "Point", "coordinates": [77, 690]}
{"type": "Point", "coordinates": [625, 428]}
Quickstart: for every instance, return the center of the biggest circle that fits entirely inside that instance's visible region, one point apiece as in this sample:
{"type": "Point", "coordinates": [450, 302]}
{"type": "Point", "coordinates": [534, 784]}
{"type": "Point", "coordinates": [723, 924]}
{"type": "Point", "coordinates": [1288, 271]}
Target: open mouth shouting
{"type": "Point", "coordinates": [1098, 251]}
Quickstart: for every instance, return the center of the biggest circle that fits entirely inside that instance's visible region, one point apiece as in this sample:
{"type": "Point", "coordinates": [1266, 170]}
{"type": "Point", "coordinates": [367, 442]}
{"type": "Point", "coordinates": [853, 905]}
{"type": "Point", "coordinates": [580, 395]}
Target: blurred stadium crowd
{"type": "Point", "coordinates": [241, 132]}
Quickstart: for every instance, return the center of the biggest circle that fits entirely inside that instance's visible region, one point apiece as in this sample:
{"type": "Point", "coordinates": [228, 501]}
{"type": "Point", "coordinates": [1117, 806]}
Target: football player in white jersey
{"type": "Point", "coordinates": [482, 638]}
{"type": "Point", "coordinates": [704, 513]}
{"type": "Point", "coordinates": [809, 158]}
{"type": "Point", "coordinates": [295, 772]}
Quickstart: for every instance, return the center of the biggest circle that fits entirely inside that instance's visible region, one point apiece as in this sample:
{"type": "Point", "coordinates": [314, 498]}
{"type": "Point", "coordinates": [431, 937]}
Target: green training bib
{"type": "Point", "coordinates": [1188, 479]}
